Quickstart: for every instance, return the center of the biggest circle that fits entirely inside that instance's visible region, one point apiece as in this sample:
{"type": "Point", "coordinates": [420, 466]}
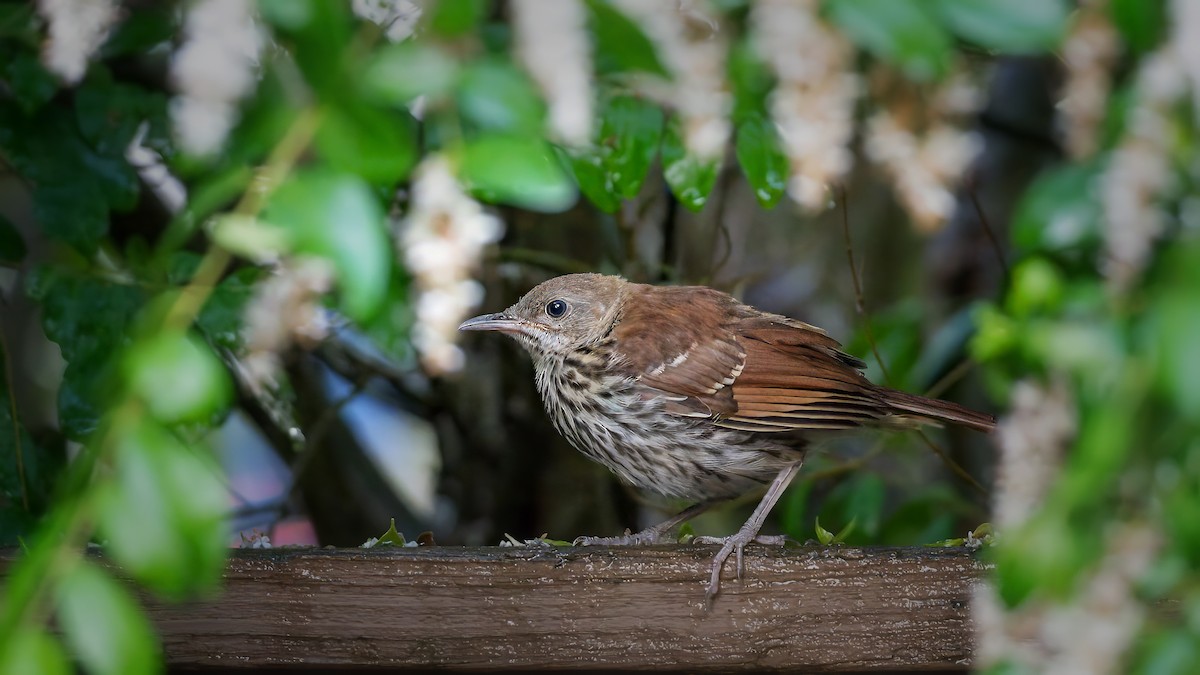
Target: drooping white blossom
{"type": "Point", "coordinates": [442, 240]}
{"type": "Point", "coordinates": [813, 102]}
{"type": "Point", "coordinates": [77, 29]}
{"type": "Point", "coordinates": [284, 310]}
{"type": "Point", "coordinates": [690, 42]}
{"type": "Point", "coordinates": [553, 43]}
{"type": "Point", "coordinates": [212, 70]}
{"type": "Point", "coordinates": [1089, 53]}
{"type": "Point", "coordinates": [1033, 440]}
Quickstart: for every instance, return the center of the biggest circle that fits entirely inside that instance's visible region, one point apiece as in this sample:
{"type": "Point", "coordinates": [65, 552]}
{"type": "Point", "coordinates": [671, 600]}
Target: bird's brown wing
{"type": "Point", "coordinates": [796, 377]}
{"type": "Point", "coordinates": [715, 358]}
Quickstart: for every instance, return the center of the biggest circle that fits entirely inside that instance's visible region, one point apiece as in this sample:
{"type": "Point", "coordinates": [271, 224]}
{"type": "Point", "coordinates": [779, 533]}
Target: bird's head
{"type": "Point", "coordinates": [560, 315]}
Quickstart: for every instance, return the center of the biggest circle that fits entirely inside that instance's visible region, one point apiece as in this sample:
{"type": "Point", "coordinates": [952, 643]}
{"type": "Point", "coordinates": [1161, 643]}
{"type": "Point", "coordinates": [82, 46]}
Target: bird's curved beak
{"type": "Point", "coordinates": [500, 322]}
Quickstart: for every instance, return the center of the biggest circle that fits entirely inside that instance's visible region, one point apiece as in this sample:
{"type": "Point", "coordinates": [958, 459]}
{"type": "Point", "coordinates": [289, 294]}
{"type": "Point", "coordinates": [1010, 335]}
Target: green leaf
{"type": "Point", "coordinates": [453, 18]}
{"type": "Point", "coordinates": [1060, 211]}
{"type": "Point", "coordinates": [1010, 26]}
{"type": "Point", "coordinates": [823, 535]}
{"type": "Point", "coordinates": [903, 32]}
{"type": "Point", "coordinates": [752, 81]}
{"type": "Point", "coordinates": [163, 516]}
{"type": "Point", "coordinates": [391, 537]}
{"type": "Point", "coordinates": [178, 378]}
{"type": "Point", "coordinates": [378, 146]}
{"type": "Point", "coordinates": [592, 177]}
{"type": "Point", "coordinates": [103, 625]}
{"type": "Point", "coordinates": [399, 73]}
{"type": "Point", "coordinates": [495, 96]}
{"type": "Point", "coordinates": [630, 131]}
{"type": "Point", "coordinates": [318, 34]}
{"type": "Point", "coordinates": [140, 32]}
{"type": "Point", "coordinates": [32, 650]}
{"type": "Point", "coordinates": [690, 179]}
{"type": "Point", "coordinates": [1141, 22]}
{"type": "Point", "coordinates": [31, 84]}
{"type": "Point", "coordinates": [518, 171]}
{"type": "Point", "coordinates": [759, 153]}
{"type": "Point", "coordinates": [620, 46]}
{"type": "Point", "coordinates": [12, 244]}
{"type": "Point", "coordinates": [335, 216]}
{"type": "Point", "coordinates": [221, 317]}
{"type": "Point", "coordinates": [89, 320]}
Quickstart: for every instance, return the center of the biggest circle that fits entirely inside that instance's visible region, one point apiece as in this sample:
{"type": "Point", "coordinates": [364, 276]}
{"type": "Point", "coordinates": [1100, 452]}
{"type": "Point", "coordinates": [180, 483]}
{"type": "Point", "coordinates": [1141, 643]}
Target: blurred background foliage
{"type": "Point", "coordinates": [236, 240]}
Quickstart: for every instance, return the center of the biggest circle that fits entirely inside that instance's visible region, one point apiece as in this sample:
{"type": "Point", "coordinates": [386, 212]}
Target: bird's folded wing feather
{"type": "Point", "coordinates": [712, 357]}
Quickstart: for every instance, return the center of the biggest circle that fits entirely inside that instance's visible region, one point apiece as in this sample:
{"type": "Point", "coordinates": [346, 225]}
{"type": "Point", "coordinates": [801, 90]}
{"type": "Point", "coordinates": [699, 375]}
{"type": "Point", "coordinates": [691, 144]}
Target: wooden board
{"type": "Point", "coordinates": [811, 608]}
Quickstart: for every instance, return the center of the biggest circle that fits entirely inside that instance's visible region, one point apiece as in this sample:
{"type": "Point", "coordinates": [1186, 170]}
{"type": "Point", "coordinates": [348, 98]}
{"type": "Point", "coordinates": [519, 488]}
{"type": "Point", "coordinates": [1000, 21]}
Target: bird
{"type": "Point", "coordinates": [688, 392]}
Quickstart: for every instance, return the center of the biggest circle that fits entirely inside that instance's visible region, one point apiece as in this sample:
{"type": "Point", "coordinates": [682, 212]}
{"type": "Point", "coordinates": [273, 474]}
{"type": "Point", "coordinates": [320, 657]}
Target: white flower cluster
{"type": "Point", "coordinates": [285, 309]}
{"type": "Point", "coordinates": [1139, 171]}
{"type": "Point", "coordinates": [1033, 439]}
{"type": "Point", "coordinates": [397, 18]}
{"type": "Point", "coordinates": [213, 69]}
{"type": "Point", "coordinates": [1087, 635]}
{"type": "Point", "coordinates": [813, 103]}
{"type": "Point", "coordinates": [77, 29]}
{"type": "Point", "coordinates": [442, 241]}
{"type": "Point", "coordinates": [1089, 53]}
{"type": "Point", "coordinates": [690, 42]}
{"type": "Point", "coordinates": [553, 44]}
{"type": "Point", "coordinates": [923, 169]}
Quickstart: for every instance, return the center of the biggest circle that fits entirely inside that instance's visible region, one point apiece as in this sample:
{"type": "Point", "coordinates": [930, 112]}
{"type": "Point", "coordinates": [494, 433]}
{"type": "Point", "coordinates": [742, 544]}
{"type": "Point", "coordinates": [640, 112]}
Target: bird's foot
{"type": "Point", "coordinates": [647, 537]}
{"type": "Point", "coordinates": [735, 543]}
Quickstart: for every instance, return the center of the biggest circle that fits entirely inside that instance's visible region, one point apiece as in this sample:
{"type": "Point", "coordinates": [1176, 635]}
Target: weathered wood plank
{"type": "Point", "coordinates": [838, 609]}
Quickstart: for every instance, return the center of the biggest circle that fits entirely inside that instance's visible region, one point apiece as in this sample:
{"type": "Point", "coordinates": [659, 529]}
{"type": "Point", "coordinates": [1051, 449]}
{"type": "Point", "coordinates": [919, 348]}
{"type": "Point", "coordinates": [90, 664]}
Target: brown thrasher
{"type": "Point", "coordinates": [687, 392]}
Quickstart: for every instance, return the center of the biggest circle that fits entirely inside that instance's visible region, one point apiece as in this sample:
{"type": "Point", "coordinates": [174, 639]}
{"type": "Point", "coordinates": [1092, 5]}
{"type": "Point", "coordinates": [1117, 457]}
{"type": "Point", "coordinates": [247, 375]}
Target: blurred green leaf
{"type": "Point", "coordinates": [857, 500]}
{"type": "Point", "coordinates": [1168, 651]}
{"type": "Point", "coordinates": [1043, 557]}
{"type": "Point", "coordinates": [690, 179]}
{"type": "Point", "coordinates": [317, 34]}
{"type": "Point", "coordinates": [28, 471]}
{"type": "Point", "coordinates": [762, 158]}
{"type": "Point", "coordinates": [1060, 210]}
{"type": "Point", "coordinates": [336, 216]}
{"type": "Point", "coordinates": [751, 80]}
{"type": "Point", "coordinates": [620, 46]}
{"type": "Point", "coordinates": [1010, 26]}
{"type": "Point", "coordinates": [28, 80]}
{"type": "Point", "coordinates": [89, 320]}
{"type": "Point", "coordinates": [1037, 285]}
{"type": "Point", "coordinates": [518, 171]}
{"type": "Point", "coordinates": [378, 146]}
{"type": "Point", "coordinates": [592, 176]}
{"type": "Point", "coordinates": [140, 31]}
{"type": "Point", "coordinates": [19, 21]}
{"type": "Point", "coordinates": [630, 131]}
{"type": "Point", "coordinates": [453, 18]}
{"type": "Point", "coordinates": [221, 317]}
{"type": "Point", "coordinates": [496, 96]}
{"type": "Point", "coordinates": [178, 377]}
{"type": "Point", "coordinates": [12, 244]}
{"type": "Point", "coordinates": [823, 535]}
{"type": "Point", "coordinates": [397, 74]}
{"type": "Point", "coordinates": [1141, 22]}
{"type": "Point", "coordinates": [903, 32]}
{"type": "Point", "coordinates": [34, 651]}
{"type": "Point", "coordinates": [69, 205]}
{"type": "Point", "coordinates": [163, 516]}
{"type": "Point", "coordinates": [927, 516]}
{"type": "Point", "coordinates": [103, 625]}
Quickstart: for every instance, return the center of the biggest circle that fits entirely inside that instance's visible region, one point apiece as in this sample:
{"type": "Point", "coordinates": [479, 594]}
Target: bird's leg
{"type": "Point", "coordinates": [650, 535]}
{"type": "Point", "coordinates": [748, 533]}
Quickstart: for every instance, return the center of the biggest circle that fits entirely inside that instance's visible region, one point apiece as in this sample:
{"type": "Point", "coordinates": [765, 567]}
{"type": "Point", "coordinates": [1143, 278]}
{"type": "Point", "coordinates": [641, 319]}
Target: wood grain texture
{"type": "Point", "coordinates": [834, 609]}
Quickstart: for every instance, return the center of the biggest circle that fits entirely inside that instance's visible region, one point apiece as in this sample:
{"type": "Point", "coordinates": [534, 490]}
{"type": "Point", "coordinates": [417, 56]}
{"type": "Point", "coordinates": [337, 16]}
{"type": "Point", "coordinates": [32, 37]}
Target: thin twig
{"type": "Point", "coordinates": [956, 373]}
{"type": "Point", "coordinates": [987, 228]}
{"type": "Point", "coordinates": [951, 464]}
{"type": "Point", "coordinates": [16, 423]}
{"type": "Point", "coordinates": [859, 303]}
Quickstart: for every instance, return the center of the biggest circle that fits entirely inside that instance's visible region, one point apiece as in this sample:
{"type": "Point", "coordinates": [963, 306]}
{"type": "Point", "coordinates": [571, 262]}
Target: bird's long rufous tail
{"type": "Point", "coordinates": [937, 411]}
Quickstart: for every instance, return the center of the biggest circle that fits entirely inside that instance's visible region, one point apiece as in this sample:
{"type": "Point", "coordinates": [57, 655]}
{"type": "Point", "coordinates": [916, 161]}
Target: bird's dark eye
{"type": "Point", "coordinates": [556, 308]}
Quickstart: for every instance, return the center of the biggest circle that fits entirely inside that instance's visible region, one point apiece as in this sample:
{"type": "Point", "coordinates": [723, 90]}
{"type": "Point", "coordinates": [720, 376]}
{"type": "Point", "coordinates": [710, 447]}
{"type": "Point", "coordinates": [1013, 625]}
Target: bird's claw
{"type": "Point", "coordinates": [647, 537]}
{"type": "Point", "coordinates": [735, 543]}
